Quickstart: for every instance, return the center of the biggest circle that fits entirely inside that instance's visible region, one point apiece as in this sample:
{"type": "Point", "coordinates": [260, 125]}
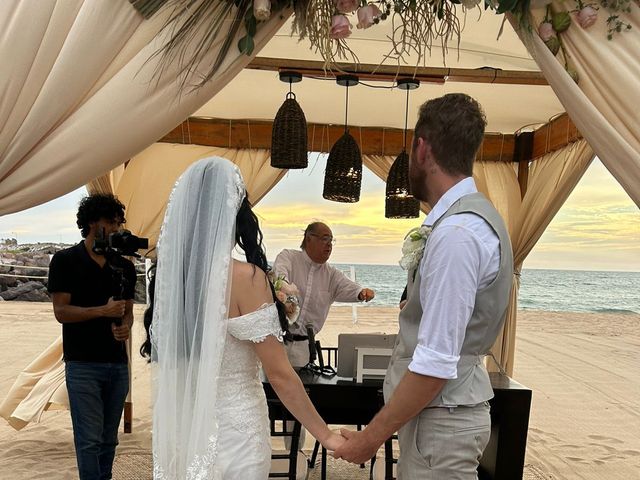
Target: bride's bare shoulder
{"type": "Point", "coordinates": [247, 274]}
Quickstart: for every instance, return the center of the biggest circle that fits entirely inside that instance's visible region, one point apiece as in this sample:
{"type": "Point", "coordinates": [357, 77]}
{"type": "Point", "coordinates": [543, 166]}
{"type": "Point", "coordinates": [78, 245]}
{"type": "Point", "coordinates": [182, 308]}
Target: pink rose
{"type": "Point", "coordinates": [289, 288]}
{"type": "Point", "coordinates": [367, 14]}
{"type": "Point", "coordinates": [346, 6]}
{"type": "Point", "coordinates": [262, 10]}
{"type": "Point", "coordinates": [545, 30]}
{"type": "Point", "coordinates": [281, 296]}
{"type": "Point", "coordinates": [340, 27]}
{"type": "Point", "coordinates": [587, 17]}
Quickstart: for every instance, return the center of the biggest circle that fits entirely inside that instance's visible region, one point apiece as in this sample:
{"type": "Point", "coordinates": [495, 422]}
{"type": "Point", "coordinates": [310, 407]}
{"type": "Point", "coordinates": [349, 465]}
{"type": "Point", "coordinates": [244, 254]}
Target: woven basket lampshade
{"type": "Point", "coordinates": [343, 175]}
{"type": "Point", "coordinates": [289, 136]}
{"type": "Point", "coordinates": [399, 203]}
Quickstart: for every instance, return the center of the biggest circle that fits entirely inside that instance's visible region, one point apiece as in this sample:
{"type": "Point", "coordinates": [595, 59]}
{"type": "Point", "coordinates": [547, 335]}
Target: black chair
{"type": "Point", "coordinates": [278, 417]}
{"type": "Point", "coordinates": [389, 460]}
{"type": "Point", "coordinates": [327, 357]}
{"type": "Point", "coordinates": [328, 362]}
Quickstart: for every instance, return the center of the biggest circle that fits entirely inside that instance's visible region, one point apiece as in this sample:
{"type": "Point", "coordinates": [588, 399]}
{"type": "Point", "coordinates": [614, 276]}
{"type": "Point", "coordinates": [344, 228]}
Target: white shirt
{"type": "Point", "coordinates": [319, 285]}
{"type": "Point", "coordinates": [462, 256]}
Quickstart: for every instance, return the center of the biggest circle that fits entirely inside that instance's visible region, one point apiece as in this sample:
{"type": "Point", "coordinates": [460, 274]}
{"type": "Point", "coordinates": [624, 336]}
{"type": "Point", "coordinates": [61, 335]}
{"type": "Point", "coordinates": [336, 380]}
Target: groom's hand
{"type": "Point", "coordinates": [358, 448]}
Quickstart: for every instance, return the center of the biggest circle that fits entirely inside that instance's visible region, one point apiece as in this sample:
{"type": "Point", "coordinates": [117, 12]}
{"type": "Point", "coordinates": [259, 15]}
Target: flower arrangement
{"type": "Point", "coordinates": [585, 15]}
{"type": "Point", "coordinates": [327, 24]}
{"type": "Point", "coordinates": [287, 293]}
{"type": "Point", "coordinates": [413, 247]}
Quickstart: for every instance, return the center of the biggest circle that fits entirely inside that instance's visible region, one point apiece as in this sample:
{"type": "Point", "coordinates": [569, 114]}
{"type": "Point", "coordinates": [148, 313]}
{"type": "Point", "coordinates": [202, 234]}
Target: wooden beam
{"type": "Point", "coordinates": [556, 134]}
{"type": "Point", "coordinates": [388, 73]}
{"type": "Point", "coordinates": [371, 140]}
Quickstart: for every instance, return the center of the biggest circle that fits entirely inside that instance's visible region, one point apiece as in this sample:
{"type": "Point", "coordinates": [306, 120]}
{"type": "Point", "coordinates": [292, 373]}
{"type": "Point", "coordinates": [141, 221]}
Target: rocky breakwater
{"type": "Point", "coordinates": [24, 270]}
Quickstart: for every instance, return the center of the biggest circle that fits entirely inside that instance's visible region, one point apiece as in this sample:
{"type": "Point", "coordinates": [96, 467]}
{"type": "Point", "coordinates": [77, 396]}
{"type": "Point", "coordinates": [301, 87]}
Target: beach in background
{"type": "Point", "coordinates": [547, 290]}
{"type": "Point", "coordinates": [582, 368]}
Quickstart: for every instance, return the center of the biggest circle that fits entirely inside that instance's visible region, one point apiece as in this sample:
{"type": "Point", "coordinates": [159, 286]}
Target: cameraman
{"type": "Point", "coordinates": [95, 327]}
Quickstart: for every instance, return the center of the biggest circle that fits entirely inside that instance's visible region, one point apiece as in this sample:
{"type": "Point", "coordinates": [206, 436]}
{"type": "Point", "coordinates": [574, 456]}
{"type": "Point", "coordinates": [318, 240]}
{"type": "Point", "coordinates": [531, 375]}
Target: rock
{"type": "Point", "coordinates": [34, 296]}
{"type": "Point", "coordinates": [8, 282]}
{"type": "Point", "coordinates": [23, 289]}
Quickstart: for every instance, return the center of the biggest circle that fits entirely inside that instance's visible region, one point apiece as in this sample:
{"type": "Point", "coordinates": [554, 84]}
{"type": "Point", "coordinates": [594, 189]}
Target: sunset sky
{"type": "Point", "coordinates": [598, 228]}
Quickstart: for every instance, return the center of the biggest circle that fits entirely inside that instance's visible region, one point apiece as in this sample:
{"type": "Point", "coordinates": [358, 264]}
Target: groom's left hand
{"type": "Point", "coordinates": [358, 448]}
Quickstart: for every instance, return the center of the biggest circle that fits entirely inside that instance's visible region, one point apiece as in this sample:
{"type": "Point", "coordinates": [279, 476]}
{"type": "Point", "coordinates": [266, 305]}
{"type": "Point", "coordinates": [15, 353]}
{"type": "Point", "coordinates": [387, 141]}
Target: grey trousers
{"type": "Point", "coordinates": [444, 443]}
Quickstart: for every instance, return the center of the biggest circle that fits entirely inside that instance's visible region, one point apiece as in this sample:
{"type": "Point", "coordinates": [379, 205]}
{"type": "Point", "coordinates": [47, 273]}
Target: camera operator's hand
{"type": "Point", "coordinates": [121, 332]}
{"type": "Point", "coordinates": [114, 308]}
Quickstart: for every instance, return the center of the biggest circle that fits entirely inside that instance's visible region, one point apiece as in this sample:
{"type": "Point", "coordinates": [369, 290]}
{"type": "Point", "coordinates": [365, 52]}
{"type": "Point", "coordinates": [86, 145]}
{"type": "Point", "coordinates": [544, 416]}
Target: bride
{"type": "Point", "coordinates": [215, 320]}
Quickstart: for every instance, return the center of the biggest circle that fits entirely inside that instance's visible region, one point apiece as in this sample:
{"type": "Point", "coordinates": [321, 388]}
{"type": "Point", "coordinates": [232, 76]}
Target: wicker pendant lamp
{"type": "Point", "coordinates": [289, 134]}
{"type": "Point", "coordinates": [343, 175]}
{"type": "Point", "coordinates": [399, 203]}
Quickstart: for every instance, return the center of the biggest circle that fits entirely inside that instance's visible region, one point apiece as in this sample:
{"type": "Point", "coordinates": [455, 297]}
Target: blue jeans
{"type": "Point", "coordinates": [97, 392]}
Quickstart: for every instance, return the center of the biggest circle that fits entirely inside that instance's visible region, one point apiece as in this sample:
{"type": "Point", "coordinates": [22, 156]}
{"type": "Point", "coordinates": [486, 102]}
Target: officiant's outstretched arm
{"type": "Point", "coordinates": [319, 285]}
{"type": "Point", "coordinates": [436, 383]}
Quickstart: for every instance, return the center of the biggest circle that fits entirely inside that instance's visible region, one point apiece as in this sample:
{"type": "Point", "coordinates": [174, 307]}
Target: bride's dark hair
{"type": "Point", "coordinates": [249, 239]}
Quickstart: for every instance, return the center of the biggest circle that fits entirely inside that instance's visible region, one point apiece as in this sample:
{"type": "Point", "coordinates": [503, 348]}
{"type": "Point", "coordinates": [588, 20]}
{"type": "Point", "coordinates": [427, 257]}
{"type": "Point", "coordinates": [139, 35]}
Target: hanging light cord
{"type": "Point", "coordinates": [406, 120]}
{"type": "Point", "coordinates": [346, 109]}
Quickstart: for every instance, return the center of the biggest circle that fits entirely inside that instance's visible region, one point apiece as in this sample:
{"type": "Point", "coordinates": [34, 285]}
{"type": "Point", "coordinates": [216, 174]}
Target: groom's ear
{"type": "Point", "coordinates": [420, 151]}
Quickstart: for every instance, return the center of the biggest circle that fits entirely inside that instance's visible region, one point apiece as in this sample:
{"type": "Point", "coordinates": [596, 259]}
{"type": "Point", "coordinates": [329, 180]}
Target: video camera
{"type": "Point", "coordinates": [122, 243]}
{"type": "Point", "coordinates": [116, 245]}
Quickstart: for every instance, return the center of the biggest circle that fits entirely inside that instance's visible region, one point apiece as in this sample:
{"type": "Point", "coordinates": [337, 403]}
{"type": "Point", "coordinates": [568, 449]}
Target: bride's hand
{"type": "Point", "coordinates": [333, 441]}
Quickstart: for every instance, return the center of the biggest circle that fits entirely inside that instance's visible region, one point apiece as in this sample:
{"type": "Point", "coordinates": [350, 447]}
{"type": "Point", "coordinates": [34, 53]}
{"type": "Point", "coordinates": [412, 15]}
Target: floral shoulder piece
{"type": "Point", "coordinates": [413, 246]}
{"type": "Point", "coordinates": [287, 293]}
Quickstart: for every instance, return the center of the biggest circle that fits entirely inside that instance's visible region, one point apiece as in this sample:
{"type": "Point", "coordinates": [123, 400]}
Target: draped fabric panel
{"type": "Point", "coordinates": [106, 183]}
{"type": "Point", "coordinates": [150, 176]}
{"type": "Point", "coordinates": [604, 104]}
{"type": "Point", "coordinates": [73, 108]}
{"type": "Point", "coordinates": [552, 178]}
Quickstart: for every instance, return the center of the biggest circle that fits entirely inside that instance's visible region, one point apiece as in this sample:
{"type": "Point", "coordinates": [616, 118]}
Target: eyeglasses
{"type": "Point", "coordinates": [328, 239]}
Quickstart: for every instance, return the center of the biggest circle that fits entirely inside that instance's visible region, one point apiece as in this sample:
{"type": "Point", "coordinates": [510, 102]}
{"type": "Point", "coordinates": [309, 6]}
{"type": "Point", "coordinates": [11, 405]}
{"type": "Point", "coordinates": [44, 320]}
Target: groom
{"type": "Point", "coordinates": [437, 388]}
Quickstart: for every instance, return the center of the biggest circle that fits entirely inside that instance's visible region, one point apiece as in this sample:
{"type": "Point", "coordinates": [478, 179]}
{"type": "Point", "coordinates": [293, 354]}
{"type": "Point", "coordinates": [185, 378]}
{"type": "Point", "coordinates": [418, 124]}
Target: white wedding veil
{"type": "Point", "coordinates": [190, 317]}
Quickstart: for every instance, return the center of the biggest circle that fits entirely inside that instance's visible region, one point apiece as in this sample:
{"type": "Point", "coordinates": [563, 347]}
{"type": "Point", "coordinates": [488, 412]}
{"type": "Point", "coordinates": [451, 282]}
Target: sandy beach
{"type": "Point", "coordinates": [582, 368]}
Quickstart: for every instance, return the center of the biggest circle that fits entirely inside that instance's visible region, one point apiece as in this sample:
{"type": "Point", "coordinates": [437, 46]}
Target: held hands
{"type": "Point", "coordinates": [333, 441]}
{"type": "Point", "coordinates": [366, 295]}
{"type": "Point", "coordinates": [357, 448]}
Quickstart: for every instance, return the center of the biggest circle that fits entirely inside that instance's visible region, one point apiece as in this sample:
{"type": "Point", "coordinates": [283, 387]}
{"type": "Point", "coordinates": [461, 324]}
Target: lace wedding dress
{"type": "Point", "coordinates": [244, 449]}
{"type": "Point", "coordinates": [210, 418]}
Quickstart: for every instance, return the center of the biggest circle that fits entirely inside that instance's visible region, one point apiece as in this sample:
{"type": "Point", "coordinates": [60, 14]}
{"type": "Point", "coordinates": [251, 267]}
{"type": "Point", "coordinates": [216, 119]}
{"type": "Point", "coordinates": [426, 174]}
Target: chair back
{"type": "Point", "coordinates": [280, 421]}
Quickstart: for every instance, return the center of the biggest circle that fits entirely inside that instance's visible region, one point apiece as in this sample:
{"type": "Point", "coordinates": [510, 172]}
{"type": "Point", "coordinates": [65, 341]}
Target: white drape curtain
{"type": "Point", "coordinates": [604, 104]}
{"type": "Point", "coordinates": [149, 177]}
{"type": "Point", "coordinates": [78, 96]}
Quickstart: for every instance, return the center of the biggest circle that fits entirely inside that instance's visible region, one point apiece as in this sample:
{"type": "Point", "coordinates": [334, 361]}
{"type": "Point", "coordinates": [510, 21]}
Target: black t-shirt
{"type": "Point", "coordinates": [74, 271]}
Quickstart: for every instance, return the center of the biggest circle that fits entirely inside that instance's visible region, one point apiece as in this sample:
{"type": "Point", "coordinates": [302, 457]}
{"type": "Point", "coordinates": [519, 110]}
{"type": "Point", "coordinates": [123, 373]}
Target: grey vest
{"type": "Point", "coordinates": [472, 385]}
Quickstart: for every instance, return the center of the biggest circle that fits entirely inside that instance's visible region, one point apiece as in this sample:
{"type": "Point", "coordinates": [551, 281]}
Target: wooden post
{"type": "Point", "coordinates": [522, 149]}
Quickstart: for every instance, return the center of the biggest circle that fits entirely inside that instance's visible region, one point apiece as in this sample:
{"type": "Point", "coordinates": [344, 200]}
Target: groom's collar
{"type": "Point", "coordinates": [455, 193]}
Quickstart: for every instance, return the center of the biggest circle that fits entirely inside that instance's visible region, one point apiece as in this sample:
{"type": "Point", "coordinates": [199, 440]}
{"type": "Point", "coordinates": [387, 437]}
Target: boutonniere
{"type": "Point", "coordinates": [413, 247]}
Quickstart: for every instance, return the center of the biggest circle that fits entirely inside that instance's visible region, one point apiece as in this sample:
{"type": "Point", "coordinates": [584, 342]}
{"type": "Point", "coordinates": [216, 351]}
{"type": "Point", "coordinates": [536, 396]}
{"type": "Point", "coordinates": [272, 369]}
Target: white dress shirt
{"type": "Point", "coordinates": [319, 285]}
{"type": "Point", "coordinates": [462, 256]}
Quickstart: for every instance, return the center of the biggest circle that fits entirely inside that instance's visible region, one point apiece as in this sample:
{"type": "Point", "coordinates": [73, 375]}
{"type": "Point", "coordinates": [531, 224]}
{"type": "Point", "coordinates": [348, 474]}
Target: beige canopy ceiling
{"type": "Point", "coordinates": [255, 94]}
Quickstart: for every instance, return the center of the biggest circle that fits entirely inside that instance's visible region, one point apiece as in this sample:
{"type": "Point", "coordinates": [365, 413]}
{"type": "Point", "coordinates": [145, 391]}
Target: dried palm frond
{"type": "Point", "coordinates": [195, 28]}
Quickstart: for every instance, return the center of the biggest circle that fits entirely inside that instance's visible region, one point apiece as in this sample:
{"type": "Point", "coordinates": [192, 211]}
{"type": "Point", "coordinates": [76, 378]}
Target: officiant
{"type": "Point", "coordinates": [319, 285]}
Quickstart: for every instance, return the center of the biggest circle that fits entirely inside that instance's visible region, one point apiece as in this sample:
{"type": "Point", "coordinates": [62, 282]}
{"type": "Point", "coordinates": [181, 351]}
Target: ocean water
{"type": "Point", "coordinates": [550, 290]}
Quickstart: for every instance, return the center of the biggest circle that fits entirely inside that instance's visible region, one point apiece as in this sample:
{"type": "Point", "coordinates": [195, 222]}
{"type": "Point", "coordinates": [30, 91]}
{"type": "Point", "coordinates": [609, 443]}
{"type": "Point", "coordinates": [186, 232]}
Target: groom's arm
{"type": "Point", "coordinates": [411, 396]}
